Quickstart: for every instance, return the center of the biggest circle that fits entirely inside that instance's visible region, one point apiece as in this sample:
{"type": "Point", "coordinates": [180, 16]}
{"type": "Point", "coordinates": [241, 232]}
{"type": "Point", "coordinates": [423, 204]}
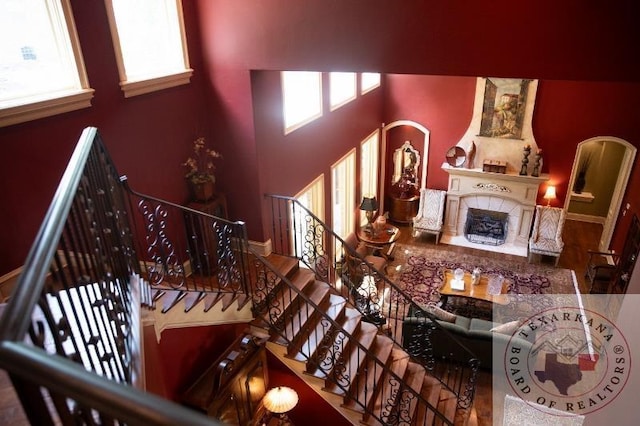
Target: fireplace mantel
{"type": "Point", "coordinates": [510, 193]}
{"type": "Point", "coordinates": [479, 174]}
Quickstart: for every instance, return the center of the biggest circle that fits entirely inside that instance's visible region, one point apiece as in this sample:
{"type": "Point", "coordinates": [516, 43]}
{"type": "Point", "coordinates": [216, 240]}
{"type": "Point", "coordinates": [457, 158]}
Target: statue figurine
{"type": "Point", "coordinates": [525, 160]}
{"type": "Point", "coordinates": [538, 164]}
{"type": "Point", "coordinates": [471, 155]}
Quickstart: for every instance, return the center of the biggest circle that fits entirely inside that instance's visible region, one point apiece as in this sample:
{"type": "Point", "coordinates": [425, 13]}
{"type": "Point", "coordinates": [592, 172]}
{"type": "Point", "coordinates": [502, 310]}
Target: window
{"type": "Point", "coordinates": [369, 168]}
{"type": "Point", "coordinates": [312, 197]}
{"type": "Point", "coordinates": [150, 44]}
{"type": "Point", "coordinates": [343, 183]}
{"type": "Point", "coordinates": [301, 98]}
{"type": "Point", "coordinates": [41, 68]}
{"type": "Point", "coordinates": [369, 81]}
{"type": "Point", "coordinates": [342, 88]}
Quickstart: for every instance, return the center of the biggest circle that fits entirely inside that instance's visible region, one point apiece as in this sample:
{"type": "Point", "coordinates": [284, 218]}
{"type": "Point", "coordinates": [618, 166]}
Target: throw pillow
{"type": "Point", "coordinates": [441, 314]}
{"type": "Point", "coordinates": [507, 328]}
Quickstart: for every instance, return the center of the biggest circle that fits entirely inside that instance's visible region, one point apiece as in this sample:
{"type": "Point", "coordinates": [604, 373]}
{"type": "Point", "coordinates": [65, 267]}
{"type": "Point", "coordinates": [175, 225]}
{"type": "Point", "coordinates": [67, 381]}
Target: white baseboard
{"type": "Point", "coordinates": [586, 218]}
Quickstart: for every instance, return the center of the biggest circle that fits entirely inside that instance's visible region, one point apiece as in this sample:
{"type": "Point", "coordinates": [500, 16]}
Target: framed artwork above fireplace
{"type": "Point", "coordinates": [503, 107]}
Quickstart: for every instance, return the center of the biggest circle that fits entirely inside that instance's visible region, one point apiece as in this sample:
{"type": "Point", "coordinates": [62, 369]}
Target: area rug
{"type": "Point", "coordinates": [419, 272]}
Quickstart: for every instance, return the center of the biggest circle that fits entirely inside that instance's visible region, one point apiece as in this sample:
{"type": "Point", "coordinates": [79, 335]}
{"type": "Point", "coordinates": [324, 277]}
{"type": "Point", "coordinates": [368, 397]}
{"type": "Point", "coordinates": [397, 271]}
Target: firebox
{"type": "Point", "coordinates": [486, 226]}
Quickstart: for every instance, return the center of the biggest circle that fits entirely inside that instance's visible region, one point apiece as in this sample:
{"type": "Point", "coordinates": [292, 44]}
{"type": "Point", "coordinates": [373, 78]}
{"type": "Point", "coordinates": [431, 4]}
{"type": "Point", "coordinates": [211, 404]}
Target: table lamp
{"type": "Point", "coordinates": [369, 205]}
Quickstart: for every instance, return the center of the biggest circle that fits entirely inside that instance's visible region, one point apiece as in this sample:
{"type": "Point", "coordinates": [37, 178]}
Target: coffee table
{"type": "Point", "coordinates": [478, 291]}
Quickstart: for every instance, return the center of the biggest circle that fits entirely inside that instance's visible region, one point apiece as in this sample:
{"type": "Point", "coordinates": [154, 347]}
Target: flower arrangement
{"type": "Point", "coordinates": [201, 167]}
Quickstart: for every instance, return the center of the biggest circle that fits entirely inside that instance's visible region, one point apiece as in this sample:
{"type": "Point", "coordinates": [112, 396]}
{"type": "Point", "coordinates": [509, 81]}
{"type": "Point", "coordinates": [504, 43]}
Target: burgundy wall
{"type": "Point", "coordinates": [312, 410]}
{"type": "Point", "coordinates": [444, 105]}
{"type": "Point", "coordinates": [148, 136]}
{"type": "Point", "coordinates": [186, 353]}
{"type": "Point", "coordinates": [289, 162]}
{"type": "Point", "coordinates": [566, 113]}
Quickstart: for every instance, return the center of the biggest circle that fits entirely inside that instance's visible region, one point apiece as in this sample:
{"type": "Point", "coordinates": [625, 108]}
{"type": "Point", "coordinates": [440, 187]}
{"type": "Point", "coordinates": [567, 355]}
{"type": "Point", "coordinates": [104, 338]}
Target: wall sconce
{"type": "Point", "coordinates": [550, 194]}
{"type": "Point", "coordinates": [369, 205]}
{"type": "Point", "coordinates": [280, 400]}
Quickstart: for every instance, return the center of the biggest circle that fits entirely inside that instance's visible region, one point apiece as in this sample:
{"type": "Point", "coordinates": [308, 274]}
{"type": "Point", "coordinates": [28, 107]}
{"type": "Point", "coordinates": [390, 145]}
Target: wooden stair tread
{"type": "Point", "coordinates": [306, 348]}
{"type": "Point", "coordinates": [430, 392]}
{"type": "Point", "coordinates": [350, 324]}
{"type": "Point", "coordinates": [447, 406]}
{"type": "Point", "coordinates": [387, 389]}
{"type": "Point", "coordinates": [353, 356]}
{"type": "Point", "coordinates": [284, 264]}
{"type": "Point", "coordinates": [304, 313]}
{"type": "Point", "coordinates": [284, 298]}
{"type": "Point", "coordinates": [372, 382]}
{"type": "Point", "coordinates": [192, 299]}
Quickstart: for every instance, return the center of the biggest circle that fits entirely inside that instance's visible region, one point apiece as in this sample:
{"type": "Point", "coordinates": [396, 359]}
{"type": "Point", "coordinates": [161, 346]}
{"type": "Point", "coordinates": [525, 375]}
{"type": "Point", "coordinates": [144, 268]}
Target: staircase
{"type": "Point", "coordinates": [362, 372]}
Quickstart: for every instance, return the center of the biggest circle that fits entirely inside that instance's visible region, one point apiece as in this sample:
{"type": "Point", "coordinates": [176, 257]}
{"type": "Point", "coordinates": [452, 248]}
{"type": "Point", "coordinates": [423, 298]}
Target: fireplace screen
{"type": "Point", "coordinates": [486, 227]}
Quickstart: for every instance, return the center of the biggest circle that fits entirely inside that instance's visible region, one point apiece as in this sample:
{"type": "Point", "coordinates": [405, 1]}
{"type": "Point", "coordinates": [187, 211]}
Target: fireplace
{"type": "Point", "coordinates": [486, 227]}
{"type": "Point", "coordinates": [510, 194]}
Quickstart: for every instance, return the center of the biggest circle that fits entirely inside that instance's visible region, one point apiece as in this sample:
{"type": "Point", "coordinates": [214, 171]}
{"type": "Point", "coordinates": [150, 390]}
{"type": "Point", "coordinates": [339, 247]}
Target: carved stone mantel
{"type": "Point", "coordinates": [509, 193]}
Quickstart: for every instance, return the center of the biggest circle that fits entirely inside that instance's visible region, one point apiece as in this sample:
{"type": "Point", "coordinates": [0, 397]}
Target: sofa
{"type": "Point", "coordinates": [475, 334]}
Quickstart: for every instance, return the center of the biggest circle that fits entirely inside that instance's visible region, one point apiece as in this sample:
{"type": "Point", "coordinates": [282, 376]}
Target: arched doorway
{"type": "Point", "coordinates": [424, 148]}
{"type": "Point", "coordinates": [601, 201]}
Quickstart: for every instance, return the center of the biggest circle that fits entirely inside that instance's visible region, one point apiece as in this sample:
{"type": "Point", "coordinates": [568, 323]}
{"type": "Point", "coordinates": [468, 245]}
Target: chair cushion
{"type": "Point", "coordinates": [546, 245]}
{"type": "Point", "coordinates": [428, 223]}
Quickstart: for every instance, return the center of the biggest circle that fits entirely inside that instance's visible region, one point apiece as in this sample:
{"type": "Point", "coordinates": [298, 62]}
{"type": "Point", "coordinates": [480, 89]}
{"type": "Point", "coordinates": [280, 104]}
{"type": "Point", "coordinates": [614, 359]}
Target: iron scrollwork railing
{"type": "Point", "coordinates": [69, 336]}
{"type": "Point", "coordinates": [185, 249]}
{"type": "Point", "coordinates": [298, 233]}
{"type": "Point", "coordinates": [333, 353]}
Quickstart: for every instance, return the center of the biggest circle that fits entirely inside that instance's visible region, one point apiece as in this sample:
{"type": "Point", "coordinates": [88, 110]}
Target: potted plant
{"type": "Point", "coordinates": [201, 175]}
{"type": "Point", "coordinates": [583, 166]}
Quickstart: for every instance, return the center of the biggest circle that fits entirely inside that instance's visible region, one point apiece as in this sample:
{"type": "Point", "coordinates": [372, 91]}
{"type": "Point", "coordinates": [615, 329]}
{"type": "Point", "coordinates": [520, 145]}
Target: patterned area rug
{"type": "Point", "coordinates": [419, 272]}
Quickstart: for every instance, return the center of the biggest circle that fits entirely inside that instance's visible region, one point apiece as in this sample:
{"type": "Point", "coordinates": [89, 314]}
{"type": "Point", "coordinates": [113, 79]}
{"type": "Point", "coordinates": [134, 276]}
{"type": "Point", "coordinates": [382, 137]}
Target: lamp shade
{"type": "Point", "coordinates": [551, 193]}
{"type": "Point", "coordinates": [280, 399]}
{"type": "Point", "coordinates": [369, 203]}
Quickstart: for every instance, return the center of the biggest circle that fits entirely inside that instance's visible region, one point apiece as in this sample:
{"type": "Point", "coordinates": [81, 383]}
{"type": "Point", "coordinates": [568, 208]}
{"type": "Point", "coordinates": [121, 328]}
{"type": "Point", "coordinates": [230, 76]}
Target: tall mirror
{"type": "Point", "coordinates": [406, 160]}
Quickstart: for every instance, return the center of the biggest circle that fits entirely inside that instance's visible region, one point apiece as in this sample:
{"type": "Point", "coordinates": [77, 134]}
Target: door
{"type": "Point", "coordinates": [628, 257]}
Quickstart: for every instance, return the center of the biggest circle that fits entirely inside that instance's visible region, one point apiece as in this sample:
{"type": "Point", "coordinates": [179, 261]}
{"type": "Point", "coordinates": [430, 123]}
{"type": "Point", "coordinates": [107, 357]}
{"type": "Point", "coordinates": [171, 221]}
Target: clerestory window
{"type": "Point", "coordinates": [41, 67]}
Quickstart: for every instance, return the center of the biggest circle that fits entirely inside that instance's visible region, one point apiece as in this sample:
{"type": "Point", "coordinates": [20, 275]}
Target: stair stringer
{"type": "Point", "coordinates": [177, 317]}
{"type": "Point", "coordinates": [314, 383]}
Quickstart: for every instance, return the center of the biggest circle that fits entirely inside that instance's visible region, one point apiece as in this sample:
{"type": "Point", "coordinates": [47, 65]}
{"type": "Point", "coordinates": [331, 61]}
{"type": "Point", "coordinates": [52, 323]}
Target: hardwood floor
{"type": "Point", "coordinates": [578, 236]}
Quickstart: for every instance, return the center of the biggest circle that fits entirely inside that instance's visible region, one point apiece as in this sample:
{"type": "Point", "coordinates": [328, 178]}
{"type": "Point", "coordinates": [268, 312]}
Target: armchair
{"type": "Point", "coordinates": [602, 268]}
{"type": "Point", "coordinates": [430, 213]}
{"type": "Point", "coordinates": [546, 236]}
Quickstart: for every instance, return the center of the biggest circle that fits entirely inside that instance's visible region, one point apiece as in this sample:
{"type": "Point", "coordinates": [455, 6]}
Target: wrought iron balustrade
{"type": "Point", "coordinates": [298, 233]}
{"type": "Point", "coordinates": [180, 248]}
{"type": "Point", "coordinates": [69, 336]}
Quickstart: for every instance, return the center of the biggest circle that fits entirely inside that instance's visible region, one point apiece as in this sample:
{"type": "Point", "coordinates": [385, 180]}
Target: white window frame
{"type": "Point", "coordinates": [369, 87]}
{"type": "Point", "coordinates": [343, 184]}
{"type": "Point", "coordinates": [52, 103]}
{"type": "Point", "coordinates": [369, 167]}
{"type": "Point", "coordinates": [312, 197]}
{"type": "Point", "coordinates": [343, 97]}
{"type": "Point", "coordinates": [161, 79]}
{"type": "Point", "coordinates": [290, 94]}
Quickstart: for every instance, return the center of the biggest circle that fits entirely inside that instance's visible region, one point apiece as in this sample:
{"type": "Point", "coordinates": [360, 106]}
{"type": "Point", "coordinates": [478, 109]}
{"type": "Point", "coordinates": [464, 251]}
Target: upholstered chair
{"type": "Point", "coordinates": [546, 236]}
{"type": "Point", "coordinates": [351, 241]}
{"type": "Point", "coordinates": [430, 213]}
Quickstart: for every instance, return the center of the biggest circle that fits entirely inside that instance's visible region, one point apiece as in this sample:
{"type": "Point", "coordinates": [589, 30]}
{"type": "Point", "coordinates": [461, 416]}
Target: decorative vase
{"type": "Point", "coordinates": [579, 184]}
{"type": "Point", "coordinates": [203, 191]}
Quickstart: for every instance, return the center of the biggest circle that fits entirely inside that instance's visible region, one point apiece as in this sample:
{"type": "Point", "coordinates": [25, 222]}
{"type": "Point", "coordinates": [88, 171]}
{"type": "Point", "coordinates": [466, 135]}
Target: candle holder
{"type": "Point", "coordinates": [525, 160]}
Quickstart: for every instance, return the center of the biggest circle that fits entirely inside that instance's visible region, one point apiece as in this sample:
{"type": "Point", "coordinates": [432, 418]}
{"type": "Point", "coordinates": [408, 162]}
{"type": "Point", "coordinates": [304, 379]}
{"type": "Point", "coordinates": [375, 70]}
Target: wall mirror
{"type": "Point", "coordinates": [405, 159]}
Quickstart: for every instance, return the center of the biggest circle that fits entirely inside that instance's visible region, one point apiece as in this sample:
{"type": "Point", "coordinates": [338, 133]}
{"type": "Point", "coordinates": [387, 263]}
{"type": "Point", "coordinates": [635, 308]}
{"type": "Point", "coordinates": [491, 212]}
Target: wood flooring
{"type": "Point", "coordinates": [578, 236]}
